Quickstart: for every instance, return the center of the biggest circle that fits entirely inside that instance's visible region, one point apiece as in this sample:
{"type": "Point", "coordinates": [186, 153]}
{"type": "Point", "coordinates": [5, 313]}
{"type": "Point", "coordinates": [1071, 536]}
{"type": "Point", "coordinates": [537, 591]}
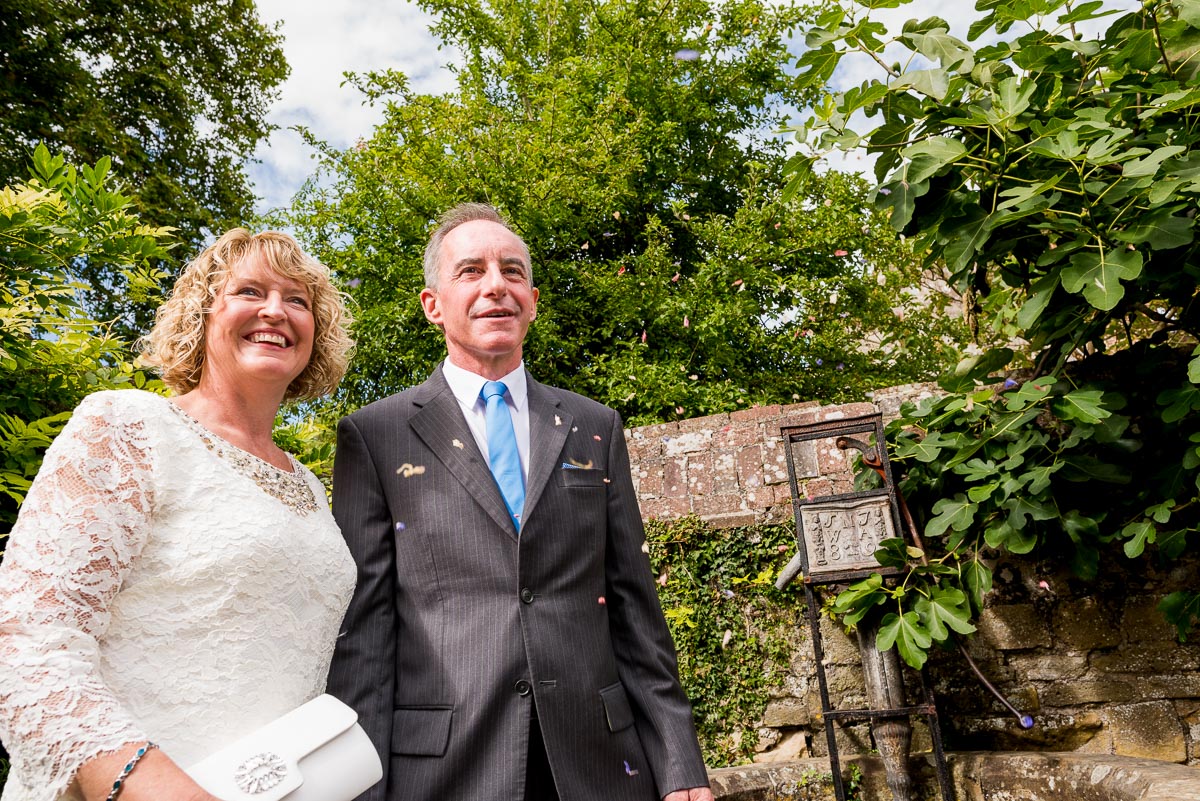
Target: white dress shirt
{"type": "Point", "coordinates": [466, 386]}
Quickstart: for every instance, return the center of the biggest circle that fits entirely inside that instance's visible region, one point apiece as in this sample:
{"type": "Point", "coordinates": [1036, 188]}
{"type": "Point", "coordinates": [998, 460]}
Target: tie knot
{"type": "Point", "coordinates": [493, 388]}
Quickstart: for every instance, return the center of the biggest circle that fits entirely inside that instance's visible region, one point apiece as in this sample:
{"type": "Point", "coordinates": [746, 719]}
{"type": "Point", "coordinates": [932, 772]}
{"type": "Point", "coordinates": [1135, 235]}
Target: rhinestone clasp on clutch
{"type": "Point", "coordinates": [260, 773]}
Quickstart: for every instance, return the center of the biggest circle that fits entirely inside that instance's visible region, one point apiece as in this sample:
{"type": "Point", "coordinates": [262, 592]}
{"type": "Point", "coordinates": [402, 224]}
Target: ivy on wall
{"type": "Point", "coordinates": [731, 626]}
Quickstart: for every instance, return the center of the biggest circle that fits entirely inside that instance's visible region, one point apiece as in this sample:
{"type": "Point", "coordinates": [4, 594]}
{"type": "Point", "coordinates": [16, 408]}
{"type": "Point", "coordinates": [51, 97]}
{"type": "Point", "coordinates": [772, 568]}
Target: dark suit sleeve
{"type": "Point", "coordinates": [363, 673]}
{"type": "Point", "coordinates": [642, 643]}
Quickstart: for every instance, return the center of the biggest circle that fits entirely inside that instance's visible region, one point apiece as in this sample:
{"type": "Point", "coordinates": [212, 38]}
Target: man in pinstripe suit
{"type": "Point", "coordinates": [498, 654]}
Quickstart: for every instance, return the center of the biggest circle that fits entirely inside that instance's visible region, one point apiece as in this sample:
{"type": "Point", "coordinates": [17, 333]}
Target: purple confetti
{"type": "Point", "coordinates": [354, 283]}
{"type": "Point", "coordinates": [400, 527]}
{"type": "Point", "coordinates": [628, 770]}
{"type": "Point", "coordinates": [687, 54]}
{"type": "Point", "coordinates": [1009, 383]}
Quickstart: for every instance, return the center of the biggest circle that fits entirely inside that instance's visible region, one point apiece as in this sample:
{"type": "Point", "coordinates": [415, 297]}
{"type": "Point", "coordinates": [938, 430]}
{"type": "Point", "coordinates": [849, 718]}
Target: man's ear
{"type": "Point", "coordinates": [533, 308]}
{"type": "Point", "coordinates": [429, 302]}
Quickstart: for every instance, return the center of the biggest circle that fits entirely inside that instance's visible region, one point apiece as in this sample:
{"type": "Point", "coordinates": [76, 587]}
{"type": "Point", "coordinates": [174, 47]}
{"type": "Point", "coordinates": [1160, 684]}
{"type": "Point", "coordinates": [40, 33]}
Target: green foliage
{"type": "Point", "coordinates": [1056, 179]}
{"type": "Point", "coordinates": [174, 91]}
{"type": "Point", "coordinates": [52, 353]}
{"type": "Point", "coordinates": [730, 624]}
{"type": "Point", "coordinates": [634, 147]}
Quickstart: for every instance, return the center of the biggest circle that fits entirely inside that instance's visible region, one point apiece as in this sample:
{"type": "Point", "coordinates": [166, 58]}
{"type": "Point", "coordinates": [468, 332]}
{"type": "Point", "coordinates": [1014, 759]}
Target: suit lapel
{"type": "Point", "coordinates": [548, 428]}
{"type": "Point", "coordinates": [440, 424]}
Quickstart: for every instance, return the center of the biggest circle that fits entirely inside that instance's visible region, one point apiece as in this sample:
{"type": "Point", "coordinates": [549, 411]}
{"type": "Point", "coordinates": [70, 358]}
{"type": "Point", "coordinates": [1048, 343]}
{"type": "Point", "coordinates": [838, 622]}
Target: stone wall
{"type": "Point", "coordinates": [1094, 663]}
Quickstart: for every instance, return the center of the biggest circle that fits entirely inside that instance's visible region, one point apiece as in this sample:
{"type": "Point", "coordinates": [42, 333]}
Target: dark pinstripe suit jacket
{"type": "Point", "coordinates": [458, 627]}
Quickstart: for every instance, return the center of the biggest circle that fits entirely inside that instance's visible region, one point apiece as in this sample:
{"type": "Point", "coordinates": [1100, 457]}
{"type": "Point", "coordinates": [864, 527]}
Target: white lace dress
{"type": "Point", "coordinates": [161, 585]}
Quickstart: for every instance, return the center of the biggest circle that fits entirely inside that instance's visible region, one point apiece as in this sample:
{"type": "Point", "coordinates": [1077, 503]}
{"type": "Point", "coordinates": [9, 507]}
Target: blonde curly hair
{"type": "Point", "coordinates": [175, 346]}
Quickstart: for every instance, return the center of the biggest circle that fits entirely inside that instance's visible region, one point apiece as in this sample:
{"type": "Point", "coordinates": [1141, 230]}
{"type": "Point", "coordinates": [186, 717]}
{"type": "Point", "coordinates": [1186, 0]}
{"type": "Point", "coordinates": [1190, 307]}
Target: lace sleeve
{"type": "Point", "coordinates": [83, 522]}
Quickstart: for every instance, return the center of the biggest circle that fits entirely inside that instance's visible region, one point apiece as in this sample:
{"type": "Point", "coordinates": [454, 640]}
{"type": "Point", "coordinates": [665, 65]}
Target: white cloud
{"type": "Point", "coordinates": [323, 40]}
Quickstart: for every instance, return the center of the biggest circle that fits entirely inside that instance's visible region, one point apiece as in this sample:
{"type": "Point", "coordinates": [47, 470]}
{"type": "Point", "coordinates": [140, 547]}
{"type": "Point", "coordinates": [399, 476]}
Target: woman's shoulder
{"type": "Point", "coordinates": [122, 402]}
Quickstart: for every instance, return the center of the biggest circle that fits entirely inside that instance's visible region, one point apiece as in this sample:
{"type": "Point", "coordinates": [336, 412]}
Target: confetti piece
{"type": "Point", "coordinates": [782, 548]}
{"type": "Point", "coordinates": [778, 224]}
{"type": "Point", "coordinates": [584, 246]}
{"type": "Point", "coordinates": [737, 283]}
{"type": "Point", "coordinates": [645, 547]}
{"type": "Point", "coordinates": [630, 771]}
{"type": "Point", "coordinates": [662, 580]}
{"type": "Point", "coordinates": [726, 638]}
{"type": "Point", "coordinates": [616, 215]}
{"type": "Point", "coordinates": [840, 252]}
{"type": "Point", "coordinates": [686, 322]}
{"type": "Point", "coordinates": [409, 470]}
{"type": "Point", "coordinates": [1045, 585]}
{"type": "Point", "coordinates": [354, 283]}
{"type": "Point", "coordinates": [400, 527]}
{"type": "Point", "coordinates": [457, 444]}
{"type": "Point", "coordinates": [574, 428]}
{"type": "Point", "coordinates": [685, 54]}
{"type": "Point", "coordinates": [596, 437]}
{"type": "Point", "coordinates": [643, 336]}
{"type": "Point", "coordinates": [601, 600]}
{"type": "Point", "coordinates": [622, 270]}
{"type": "Point", "coordinates": [727, 594]}
{"type": "Point", "coordinates": [557, 420]}
{"type": "Point", "coordinates": [678, 410]}
{"type": "Point", "coordinates": [885, 191]}
{"type": "Point", "coordinates": [675, 278]}
{"type": "Point", "coordinates": [607, 481]}
{"type": "Point", "coordinates": [828, 201]}
{"type": "Point", "coordinates": [693, 377]}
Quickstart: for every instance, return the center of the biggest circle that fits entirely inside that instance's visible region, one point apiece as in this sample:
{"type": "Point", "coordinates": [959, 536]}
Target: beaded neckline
{"type": "Point", "coordinates": [291, 489]}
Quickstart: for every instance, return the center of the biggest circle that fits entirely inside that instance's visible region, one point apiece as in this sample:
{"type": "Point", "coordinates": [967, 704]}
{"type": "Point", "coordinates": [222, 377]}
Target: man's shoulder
{"type": "Point", "coordinates": [399, 403]}
{"type": "Point", "coordinates": [576, 403]}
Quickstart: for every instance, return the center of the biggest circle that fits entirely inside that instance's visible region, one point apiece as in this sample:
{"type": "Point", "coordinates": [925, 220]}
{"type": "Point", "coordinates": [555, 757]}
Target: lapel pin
{"type": "Point", "coordinates": [408, 470]}
{"type": "Point", "coordinates": [557, 420]}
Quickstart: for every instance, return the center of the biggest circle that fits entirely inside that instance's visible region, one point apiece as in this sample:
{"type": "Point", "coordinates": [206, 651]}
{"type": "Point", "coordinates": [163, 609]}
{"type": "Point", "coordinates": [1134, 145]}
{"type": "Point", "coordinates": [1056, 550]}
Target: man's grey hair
{"type": "Point", "coordinates": [451, 219]}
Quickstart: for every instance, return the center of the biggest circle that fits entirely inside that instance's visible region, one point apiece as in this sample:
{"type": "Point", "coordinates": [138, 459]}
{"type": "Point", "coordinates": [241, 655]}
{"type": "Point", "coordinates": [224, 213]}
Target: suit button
{"type": "Point", "coordinates": [527, 595]}
{"type": "Point", "coordinates": [523, 687]}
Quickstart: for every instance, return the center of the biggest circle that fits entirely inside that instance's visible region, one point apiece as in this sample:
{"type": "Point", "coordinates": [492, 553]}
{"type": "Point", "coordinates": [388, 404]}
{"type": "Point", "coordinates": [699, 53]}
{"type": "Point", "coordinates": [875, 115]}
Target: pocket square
{"type": "Point", "coordinates": [574, 465]}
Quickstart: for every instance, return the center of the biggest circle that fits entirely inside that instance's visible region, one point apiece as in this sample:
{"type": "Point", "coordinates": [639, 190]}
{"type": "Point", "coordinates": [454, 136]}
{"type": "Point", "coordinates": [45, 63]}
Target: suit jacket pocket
{"type": "Point", "coordinates": [616, 707]}
{"type": "Point", "coordinates": [421, 730]}
{"type": "Point", "coordinates": [580, 477]}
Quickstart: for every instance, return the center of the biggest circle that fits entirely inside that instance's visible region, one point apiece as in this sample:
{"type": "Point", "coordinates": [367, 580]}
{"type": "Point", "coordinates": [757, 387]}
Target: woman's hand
{"type": "Point", "coordinates": [156, 777]}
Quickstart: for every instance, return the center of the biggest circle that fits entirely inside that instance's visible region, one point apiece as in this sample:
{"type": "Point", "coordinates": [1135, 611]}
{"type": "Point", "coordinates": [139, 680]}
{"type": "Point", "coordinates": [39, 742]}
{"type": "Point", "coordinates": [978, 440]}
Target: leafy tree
{"type": "Point", "coordinates": [174, 91]}
{"type": "Point", "coordinates": [1057, 179]}
{"type": "Point", "coordinates": [51, 353]}
{"type": "Point", "coordinates": [633, 145]}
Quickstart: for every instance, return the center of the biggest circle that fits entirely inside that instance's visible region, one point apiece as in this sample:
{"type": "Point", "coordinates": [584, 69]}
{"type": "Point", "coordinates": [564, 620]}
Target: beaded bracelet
{"type": "Point", "coordinates": [129, 766]}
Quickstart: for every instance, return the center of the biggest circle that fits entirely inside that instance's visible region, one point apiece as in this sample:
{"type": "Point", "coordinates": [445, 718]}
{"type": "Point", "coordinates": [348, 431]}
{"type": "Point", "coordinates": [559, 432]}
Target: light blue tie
{"type": "Point", "coordinates": [502, 449]}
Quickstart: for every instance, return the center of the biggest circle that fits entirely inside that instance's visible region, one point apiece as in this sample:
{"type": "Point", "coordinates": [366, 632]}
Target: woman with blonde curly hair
{"type": "Point", "coordinates": [175, 580]}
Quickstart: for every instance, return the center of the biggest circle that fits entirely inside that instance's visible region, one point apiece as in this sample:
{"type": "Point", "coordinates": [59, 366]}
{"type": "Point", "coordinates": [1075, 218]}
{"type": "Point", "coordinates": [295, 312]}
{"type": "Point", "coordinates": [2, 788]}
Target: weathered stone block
{"type": "Point", "coordinates": [1142, 622]}
{"type": "Point", "coordinates": [1013, 628]}
{"type": "Point", "coordinates": [786, 712]}
{"type": "Point", "coordinates": [1150, 730]}
{"type": "Point", "coordinates": [648, 481]}
{"type": "Point", "coordinates": [748, 462]}
{"type": "Point", "coordinates": [1048, 667]}
{"type": "Point", "coordinates": [675, 478]}
{"type": "Point", "coordinates": [1101, 690]}
{"type": "Point", "coordinates": [1082, 625]}
{"type": "Point", "coordinates": [736, 435]}
{"type": "Point", "coordinates": [754, 413]}
{"type": "Point", "coordinates": [687, 442]}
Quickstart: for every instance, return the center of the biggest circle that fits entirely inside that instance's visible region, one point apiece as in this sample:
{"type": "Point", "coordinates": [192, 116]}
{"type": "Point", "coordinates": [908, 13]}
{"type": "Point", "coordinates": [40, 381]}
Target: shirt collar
{"type": "Point", "coordinates": [466, 385]}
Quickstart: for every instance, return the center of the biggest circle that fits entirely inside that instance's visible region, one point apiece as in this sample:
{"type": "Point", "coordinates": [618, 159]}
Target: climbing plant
{"type": "Point", "coordinates": [729, 623]}
{"type": "Point", "coordinates": [1055, 176]}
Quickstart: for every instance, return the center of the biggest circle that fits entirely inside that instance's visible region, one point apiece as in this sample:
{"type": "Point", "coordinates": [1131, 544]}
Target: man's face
{"type": "Point", "coordinates": [484, 302]}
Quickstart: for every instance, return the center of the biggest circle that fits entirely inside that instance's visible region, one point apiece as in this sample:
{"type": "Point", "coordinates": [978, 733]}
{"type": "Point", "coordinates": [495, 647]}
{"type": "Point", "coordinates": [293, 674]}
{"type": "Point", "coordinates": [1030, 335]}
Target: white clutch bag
{"type": "Point", "coordinates": [316, 752]}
